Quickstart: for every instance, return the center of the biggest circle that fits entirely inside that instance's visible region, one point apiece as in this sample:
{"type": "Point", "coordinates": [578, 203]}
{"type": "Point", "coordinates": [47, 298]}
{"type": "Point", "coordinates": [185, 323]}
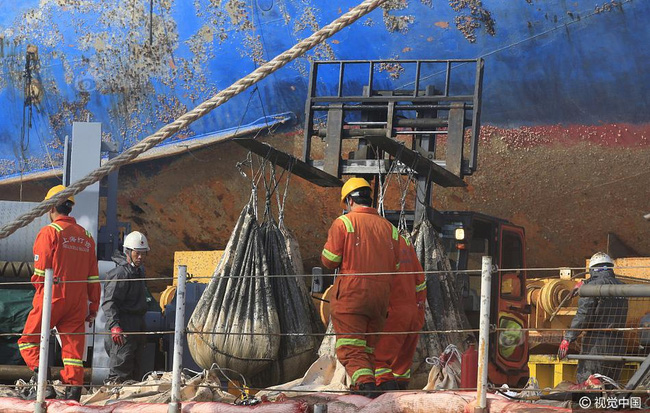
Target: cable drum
{"type": "Point", "coordinates": [552, 294]}
{"type": "Point", "coordinates": [15, 269]}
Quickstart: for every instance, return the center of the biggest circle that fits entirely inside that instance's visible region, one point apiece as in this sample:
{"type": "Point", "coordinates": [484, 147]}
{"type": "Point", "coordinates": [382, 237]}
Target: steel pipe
{"type": "Point", "coordinates": [615, 290]}
{"type": "Point", "coordinates": [359, 133]}
{"type": "Point", "coordinates": [484, 336]}
{"type": "Point", "coordinates": [348, 62]}
{"type": "Point", "coordinates": [179, 332]}
{"type": "Point", "coordinates": [598, 357]}
{"type": "Point", "coordinates": [39, 405]}
{"type": "Point", "coordinates": [370, 106]}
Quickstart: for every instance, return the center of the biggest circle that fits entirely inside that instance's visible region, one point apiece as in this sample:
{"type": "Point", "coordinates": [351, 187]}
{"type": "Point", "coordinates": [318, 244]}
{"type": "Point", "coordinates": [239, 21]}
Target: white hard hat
{"type": "Point", "coordinates": [600, 258]}
{"type": "Point", "coordinates": [136, 241]}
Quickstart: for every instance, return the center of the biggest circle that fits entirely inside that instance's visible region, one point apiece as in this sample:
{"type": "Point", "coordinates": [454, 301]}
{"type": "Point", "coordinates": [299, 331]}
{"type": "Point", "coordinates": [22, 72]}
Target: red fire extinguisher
{"type": "Point", "coordinates": [469, 367]}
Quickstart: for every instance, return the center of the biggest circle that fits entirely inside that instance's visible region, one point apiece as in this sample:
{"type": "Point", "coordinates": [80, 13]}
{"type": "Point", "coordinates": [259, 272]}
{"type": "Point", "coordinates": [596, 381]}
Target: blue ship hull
{"type": "Point", "coordinates": [135, 66]}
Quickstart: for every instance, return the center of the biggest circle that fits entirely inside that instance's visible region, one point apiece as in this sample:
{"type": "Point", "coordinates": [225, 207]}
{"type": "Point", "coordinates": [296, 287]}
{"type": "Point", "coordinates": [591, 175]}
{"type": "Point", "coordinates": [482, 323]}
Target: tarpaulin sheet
{"type": "Point", "coordinates": [15, 304]}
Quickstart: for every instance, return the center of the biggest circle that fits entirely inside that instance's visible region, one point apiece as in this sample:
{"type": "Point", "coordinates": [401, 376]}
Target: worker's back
{"type": "Point", "coordinates": [363, 243]}
{"type": "Point", "coordinates": [69, 250]}
{"type": "Point", "coordinates": [609, 312]}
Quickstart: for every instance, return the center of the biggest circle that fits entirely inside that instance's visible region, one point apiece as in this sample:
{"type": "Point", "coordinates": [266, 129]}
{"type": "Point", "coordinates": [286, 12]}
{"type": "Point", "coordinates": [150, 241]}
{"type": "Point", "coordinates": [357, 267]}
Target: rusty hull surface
{"type": "Point", "coordinates": [568, 187]}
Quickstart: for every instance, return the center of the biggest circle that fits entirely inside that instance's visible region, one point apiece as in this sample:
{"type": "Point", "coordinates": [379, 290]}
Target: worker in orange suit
{"type": "Point", "coordinates": [394, 352]}
{"type": "Point", "coordinates": [69, 250]}
{"type": "Point", "coordinates": [360, 242]}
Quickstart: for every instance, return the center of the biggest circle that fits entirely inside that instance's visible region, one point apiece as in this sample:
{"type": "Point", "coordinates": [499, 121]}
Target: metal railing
{"type": "Point", "coordinates": [487, 331]}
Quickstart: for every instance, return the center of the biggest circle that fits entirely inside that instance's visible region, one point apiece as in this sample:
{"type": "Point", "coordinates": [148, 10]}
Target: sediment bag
{"type": "Point", "coordinates": [303, 282]}
{"type": "Point", "coordinates": [446, 311]}
{"type": "Point", "coordinates": [296, 312]}
{"type": "Point", "coordinates": [235, 323]}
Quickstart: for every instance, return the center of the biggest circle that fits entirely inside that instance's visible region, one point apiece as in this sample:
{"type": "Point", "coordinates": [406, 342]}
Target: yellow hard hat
{"type": "Point", "coordinates": [55, 190]}
{"type": "Point", "coordinates": [351, 185]}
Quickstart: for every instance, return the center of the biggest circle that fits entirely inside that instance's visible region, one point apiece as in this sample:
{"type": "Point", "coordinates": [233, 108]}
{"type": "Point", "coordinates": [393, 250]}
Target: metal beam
{"type": "Point", "coordinates": [476, 117]}
{"type": "Point", "coordinates": [616, 248]}
{"type": "Point", "coordinates": [640, 375]}
{"type": "Point", "coordinates": [457, 98]}
{"type": "Point", "coordinates": [333, 140]}
{"type": "Point", "coordinates": [289, 162]}
{"type": "Point", "coordinates": [412, 159]}
{"type": "Point", "coordinates": [597, 357]}
{"type": "Point", "coordinates": [455, 139]}
{"type": "Point", "coordinates": [370, 166]}
{"type": "Point", "coordinates": [374, 105]}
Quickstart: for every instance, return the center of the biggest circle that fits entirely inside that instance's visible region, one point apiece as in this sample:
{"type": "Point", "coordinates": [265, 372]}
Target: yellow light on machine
{"type": "Point", "coordinates": [459, 234]}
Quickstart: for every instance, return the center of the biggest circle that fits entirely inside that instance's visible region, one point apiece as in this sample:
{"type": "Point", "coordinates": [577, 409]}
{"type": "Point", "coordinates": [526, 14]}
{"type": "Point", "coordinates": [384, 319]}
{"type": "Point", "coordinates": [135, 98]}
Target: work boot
{"type": "Point", "coordinates": [389, 385]}
{"type": "Point", "coordinates": [73, 393]}
{"type": "Point", "coordinates": [403, 385]}
{"type": "Point", "coordinates": [368, 390]}
{"type": "Point", "coordinates": [33, 385]}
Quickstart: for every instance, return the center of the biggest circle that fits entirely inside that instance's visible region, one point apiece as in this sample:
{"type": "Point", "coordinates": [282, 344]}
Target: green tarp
{"type": "Point", "coordinates": [14, 306]}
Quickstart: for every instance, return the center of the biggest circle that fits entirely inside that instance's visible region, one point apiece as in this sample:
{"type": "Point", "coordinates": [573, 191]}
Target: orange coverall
{"type": "Point", "coordinates": [360, 242]}
{"type": "Point", "coordinates": [69, 250]}
{"type": "Point", "coordinates": [394, 352]}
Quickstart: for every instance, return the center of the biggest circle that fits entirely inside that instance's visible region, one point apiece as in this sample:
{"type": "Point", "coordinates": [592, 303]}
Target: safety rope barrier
{"type": "Point", "coordinates": [238, 277]}
{"type": "Point", "coordinates": [277, 389]}
{"type": "Point", "coordinates": [493, 329]}
{"type": "Point", "coordinates": [234, 333]}
{"type": "Point", "coordinates": [522, 332]}
{"type": "Point", "coordinates": [198, 112]}
{"type": "Point", "coordinates": [365, 274]}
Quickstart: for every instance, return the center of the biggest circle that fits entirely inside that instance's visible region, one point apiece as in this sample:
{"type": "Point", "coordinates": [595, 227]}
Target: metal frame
{"type": "Point", "coordinates": [417, 98]}
{"type": "Point", "coordinates": [108, 235]}
{"type": "Point", "coordinates": [639, 376]}
{"type": "Point", "coordinates": [438, 112]}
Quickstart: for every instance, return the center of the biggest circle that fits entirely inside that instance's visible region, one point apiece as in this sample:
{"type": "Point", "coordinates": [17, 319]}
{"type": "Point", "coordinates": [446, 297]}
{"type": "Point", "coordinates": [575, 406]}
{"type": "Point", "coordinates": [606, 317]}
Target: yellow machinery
{"type": "Point", "coordinates": [550, 372]}
{"type": "Point", "coordinates": [200, 267]}
{"type": "Point", "coordinates": [545, 295]}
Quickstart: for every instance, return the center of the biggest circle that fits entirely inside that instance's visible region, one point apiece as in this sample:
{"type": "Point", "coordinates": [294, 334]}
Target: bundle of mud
{"type": "Point", "coordinates": [256, 316]}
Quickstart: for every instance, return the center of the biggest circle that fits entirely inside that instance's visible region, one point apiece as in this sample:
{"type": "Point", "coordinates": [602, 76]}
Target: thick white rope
{"type": "Point", "coordinates": [188, 118]}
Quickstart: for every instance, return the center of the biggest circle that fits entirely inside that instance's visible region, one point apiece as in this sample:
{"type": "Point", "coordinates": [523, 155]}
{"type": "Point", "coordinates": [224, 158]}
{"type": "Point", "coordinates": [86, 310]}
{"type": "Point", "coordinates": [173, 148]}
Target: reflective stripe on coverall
{"type": "Point", "coordinates": [394, 352]}
{"type": "Point", "coordinates": [69, 250]}
{"type": "Point", "coordinates": [360, 242]}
